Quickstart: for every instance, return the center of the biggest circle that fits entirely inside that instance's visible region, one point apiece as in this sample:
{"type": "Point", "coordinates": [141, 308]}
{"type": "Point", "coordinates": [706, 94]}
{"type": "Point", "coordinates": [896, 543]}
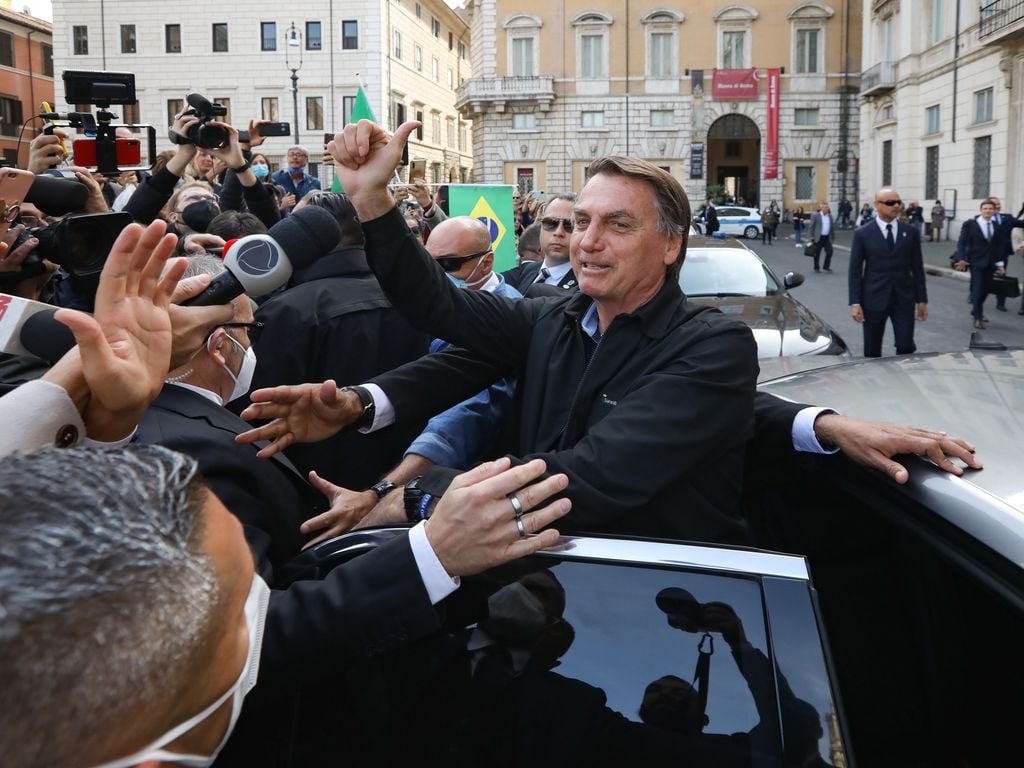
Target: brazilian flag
{"type": "Point", "coordinates": [360, 111]}
{"type": "Point", "coordinates": [492, 204]}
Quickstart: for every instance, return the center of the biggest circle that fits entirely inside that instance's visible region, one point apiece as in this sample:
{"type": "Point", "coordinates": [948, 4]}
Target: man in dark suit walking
{"type": "Point", "coordinates": [886, 277]}
{"type": "Point", "coordinates": [822, 227]}
{"type": "Point", "coordinates": [982, 249]}
{"type": "Point", "coordinates": [710, 219]}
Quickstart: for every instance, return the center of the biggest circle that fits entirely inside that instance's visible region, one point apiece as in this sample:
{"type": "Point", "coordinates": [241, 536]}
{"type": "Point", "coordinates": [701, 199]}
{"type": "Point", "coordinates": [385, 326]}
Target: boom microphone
{"type": "Point", "coordinates": [28, 328]}
{"type": "Point", "coordinates": [56, 197]}
{"type": "Point", "coordinates": [260, 264]}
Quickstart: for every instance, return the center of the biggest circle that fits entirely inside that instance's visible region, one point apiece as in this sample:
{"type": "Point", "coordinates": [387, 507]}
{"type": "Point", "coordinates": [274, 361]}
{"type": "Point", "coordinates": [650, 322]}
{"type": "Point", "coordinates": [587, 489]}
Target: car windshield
{"type": "Point", "coordinates": [725, 272]}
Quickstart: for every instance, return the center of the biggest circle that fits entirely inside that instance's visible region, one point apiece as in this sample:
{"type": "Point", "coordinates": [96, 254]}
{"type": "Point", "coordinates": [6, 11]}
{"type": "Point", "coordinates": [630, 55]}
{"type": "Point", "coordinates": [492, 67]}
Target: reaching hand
{"type": "Point", "coordinates": [190, 325]}
{"type": "Point", "coordinates": [255, 136]}
{"type": "Point", "coordinates": [347, 509]}
{"type": "Point", "coordinates": [10, 260]}
{"type": "Point", "coordinates": [96, 202]}
{"type": "Point", "coordinates": [126, 346]}
{"type": "Point", "coordinates": [874, 443]}
{"type": "Point", "coordinates": [231, 153]}
{"type": "Point", "coordinates": [365, 158]}
{"type": "Point", "coordinates": [45, 151]}
{"type": "Point", "coordinates": [473, 527]}
{"type": "Point", "coordinates": [303, 413]}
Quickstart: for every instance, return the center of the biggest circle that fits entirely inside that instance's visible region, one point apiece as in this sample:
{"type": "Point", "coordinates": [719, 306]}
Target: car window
{"type": "Point", "coordinates": [725, 271]}
{"type": "Point", "coordinates": [729, 212]}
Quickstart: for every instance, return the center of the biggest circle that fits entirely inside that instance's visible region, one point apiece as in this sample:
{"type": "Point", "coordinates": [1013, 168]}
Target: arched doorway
{"type": "Point", "coordinates": [734, 157]}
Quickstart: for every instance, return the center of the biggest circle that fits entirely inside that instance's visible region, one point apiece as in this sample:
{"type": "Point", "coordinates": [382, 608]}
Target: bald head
{"type": "Point", "coordinates": [888, 204]}
{"type": "Point", "coordinates": [457, 238]}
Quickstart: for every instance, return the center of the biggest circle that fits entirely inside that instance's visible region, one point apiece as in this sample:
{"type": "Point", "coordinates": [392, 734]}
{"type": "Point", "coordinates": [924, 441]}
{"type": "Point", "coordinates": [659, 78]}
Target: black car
{"type": "Point", "coordinates": [724, 273]}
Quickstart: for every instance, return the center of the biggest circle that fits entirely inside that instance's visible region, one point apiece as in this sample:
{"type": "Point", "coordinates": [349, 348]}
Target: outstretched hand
{"type": "Point", "coordinates": [874, 443]}
{"type": "Point", "coordinates": [301, 413]}
{"type": "Point", "coordinates": [126, 346]}
{"type": "Point", "coordinates": [347, 509]}
{"type": "Point", "coordinates": [366, 157]}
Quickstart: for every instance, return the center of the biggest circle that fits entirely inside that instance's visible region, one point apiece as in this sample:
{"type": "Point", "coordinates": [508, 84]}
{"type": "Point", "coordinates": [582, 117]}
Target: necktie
{"type": "Point", "coordinates": [988, 230]}
{"type": "Point", "coordinates": [888, 236]}
{"type": "Point", "coordinates": [545, 273]}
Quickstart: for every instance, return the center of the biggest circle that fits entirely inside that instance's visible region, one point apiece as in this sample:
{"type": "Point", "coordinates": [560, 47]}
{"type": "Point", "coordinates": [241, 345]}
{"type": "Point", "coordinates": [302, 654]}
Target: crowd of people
{"type": "Point", "coordinates": [152, 611]}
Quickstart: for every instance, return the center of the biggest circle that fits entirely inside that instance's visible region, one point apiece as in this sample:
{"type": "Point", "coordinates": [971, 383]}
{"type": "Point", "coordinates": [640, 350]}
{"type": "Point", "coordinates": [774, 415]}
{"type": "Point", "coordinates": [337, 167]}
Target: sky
{"type": "Point", "coordinates": [41, 9]}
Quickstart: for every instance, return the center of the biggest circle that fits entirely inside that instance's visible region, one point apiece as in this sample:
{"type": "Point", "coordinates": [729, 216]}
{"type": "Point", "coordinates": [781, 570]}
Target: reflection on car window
{"type": "Point", "coordinates": [582, 664]}
{"type": "Point", "coordinates": [724, 271]}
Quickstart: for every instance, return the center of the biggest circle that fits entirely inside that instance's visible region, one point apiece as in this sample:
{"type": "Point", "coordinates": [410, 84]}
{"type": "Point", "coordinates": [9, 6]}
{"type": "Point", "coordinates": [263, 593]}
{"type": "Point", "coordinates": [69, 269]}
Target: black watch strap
{"type": "Point", "coordinates": [369, 408]}
{"type": "Point", "coordinates": [383, 488]}
{"type": "Point", "coordinates": [243, 167]}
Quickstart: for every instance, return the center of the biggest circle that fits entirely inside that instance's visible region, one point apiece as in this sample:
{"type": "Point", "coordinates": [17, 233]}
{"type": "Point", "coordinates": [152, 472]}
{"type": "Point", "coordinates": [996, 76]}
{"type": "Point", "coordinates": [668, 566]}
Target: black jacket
{"type": "Point", "coordinates": [334, 322]}
{"type": "Point", "coordinates": [651, 434]}
{"type": "Point", "coordinates": [525, 275]}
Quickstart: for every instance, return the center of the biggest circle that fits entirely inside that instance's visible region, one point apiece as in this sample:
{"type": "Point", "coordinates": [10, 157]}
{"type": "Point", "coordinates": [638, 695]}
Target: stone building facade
{"type": "Point", "coordinates": [555, 86]}
{"type": "Point", "coordinates": [409, 55]}
{"type": "Point", "coordinates": [26, 79]}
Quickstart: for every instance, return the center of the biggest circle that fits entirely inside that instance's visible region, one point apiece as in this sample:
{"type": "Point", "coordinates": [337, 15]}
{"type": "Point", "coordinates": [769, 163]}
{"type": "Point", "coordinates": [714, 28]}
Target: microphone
{"type": "Point", "coordinates": [28, 328]}
{"type": "Point", "coordinates": [260, 264]}
{"type": "Point", "coordinates": [57, 196]}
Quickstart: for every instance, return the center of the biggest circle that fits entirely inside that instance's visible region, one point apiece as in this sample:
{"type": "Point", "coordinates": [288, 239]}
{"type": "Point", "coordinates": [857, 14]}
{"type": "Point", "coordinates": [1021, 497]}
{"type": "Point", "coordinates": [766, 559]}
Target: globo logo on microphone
{"type": "Point", "coordinates": [257, 256]}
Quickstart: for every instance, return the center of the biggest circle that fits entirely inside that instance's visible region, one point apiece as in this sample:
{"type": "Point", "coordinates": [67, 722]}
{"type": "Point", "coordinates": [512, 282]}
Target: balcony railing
{"type": "Point", "coordinates": [880, 77]}
{"type": "Point", "coordinates": [996, 15]}
{"type": "Point", "coordinates": [480, 89]}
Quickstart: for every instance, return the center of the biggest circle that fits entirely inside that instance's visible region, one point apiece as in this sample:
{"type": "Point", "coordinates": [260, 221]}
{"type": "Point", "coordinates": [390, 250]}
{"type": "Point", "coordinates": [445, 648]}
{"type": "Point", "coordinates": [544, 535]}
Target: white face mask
{"type": "Point", "coordinates": [255, 617]}
{"type": "Point", "coordinates": [243, 381]}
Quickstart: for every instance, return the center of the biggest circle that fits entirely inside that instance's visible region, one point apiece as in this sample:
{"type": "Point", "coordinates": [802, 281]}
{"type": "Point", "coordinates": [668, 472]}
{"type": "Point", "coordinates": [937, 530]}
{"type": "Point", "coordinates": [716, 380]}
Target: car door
{"type": "Point", "coordinates": [609, 652]}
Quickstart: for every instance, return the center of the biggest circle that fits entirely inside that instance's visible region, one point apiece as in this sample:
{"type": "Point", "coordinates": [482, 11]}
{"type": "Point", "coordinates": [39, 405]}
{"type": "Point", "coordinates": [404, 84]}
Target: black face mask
{"type": "Point", "coordinates": [198, 215]}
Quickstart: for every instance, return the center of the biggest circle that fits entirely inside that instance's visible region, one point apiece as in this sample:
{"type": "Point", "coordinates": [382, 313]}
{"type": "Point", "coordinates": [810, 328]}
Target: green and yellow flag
{"type": "Point", "coordinates": [360, 111]}
{"type": "Point", "coordinates": [492, 204]}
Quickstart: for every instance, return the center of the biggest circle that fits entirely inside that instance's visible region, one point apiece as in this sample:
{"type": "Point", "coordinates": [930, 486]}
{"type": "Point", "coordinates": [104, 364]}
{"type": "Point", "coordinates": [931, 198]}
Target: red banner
{"type": "Point", "coordinates": [771, 150]}
{"type": "Point", "coordinates": [734, 85]}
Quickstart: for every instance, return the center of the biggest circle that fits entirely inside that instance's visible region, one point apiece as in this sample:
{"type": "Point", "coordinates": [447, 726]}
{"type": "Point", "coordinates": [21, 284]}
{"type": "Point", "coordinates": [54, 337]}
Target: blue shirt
{"type": "Point", "coordinates": [306, 183]}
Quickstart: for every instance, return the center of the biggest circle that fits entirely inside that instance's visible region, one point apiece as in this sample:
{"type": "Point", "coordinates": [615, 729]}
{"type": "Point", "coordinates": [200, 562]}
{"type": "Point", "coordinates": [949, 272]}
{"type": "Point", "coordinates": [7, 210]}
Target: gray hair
{"type": "Point", "coordinates": [569, 197]}
{"type": "Point", "coordinates": [108, 603]}
{"type": "Point", "coordinates": [204, 264]}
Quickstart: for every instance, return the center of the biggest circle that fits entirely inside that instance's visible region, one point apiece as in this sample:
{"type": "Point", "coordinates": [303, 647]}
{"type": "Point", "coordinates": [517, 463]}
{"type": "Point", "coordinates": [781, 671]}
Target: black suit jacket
{"type": "Point", "coordinates": [877, 274]}
{"type": "Point", "coordinates": [525, 275]}
{"type": "Point", "coordinates": [270, 497]}
{"type": "Point", "coordinates": [982, 253]}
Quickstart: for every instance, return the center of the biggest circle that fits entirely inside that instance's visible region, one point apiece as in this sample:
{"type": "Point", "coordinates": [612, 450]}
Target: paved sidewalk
{"type": "Point", "coordinates": [936, 255]}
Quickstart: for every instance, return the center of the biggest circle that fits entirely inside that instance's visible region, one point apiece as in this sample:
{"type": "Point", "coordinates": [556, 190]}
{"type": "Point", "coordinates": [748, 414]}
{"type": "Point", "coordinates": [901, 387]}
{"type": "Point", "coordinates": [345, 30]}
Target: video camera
{"type": "Point", "coordinates": [101, 150]}
{"type": "Point", "coordinates": [201, 134]}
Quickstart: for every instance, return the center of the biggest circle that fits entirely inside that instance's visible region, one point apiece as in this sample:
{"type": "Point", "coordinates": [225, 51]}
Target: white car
{"type": "Point", "coordinates": [738, 221]}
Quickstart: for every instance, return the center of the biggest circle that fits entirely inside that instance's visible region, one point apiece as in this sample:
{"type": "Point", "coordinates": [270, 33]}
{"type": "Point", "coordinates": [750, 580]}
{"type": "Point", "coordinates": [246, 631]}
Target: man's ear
{"type": "Point", "coordinates": [215, 346]}
{"type": "Point", "coordinates": [489, 261]}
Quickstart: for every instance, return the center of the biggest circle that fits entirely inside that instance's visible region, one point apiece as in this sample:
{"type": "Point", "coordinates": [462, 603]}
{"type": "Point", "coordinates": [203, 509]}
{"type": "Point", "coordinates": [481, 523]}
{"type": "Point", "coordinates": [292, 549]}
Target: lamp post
{"type": "Point", "coordinates": [292, 48]}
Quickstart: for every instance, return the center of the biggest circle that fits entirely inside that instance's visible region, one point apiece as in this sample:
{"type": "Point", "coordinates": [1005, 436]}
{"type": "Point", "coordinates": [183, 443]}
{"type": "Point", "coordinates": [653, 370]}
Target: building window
{"type": "Point", "coordinates": [268, 35]}
{"type": "Point", "coordinates": [982, 166]}
{"type": "Point", "coordinates": [314, 113]}
{"type": "Point", "coordinates": [451, 79]}
{"type": "Point", "coordinates": [808, 60]}
{"type": "Point", "coordinates": [46, 51]}
{"type": "Point", "coordinates": [348, 103]}
{"type": "Point", "coordinates": [419, 119]}
{"type": "Point", "coordinates": [220, 37]}
{"type": "Point", "coordinates": [435, 69]}
{"type": "Point", "coordinates": [734, 49]}
{"type": "Point", "coordinates": [435, 27]}
{"type": "Point", "coordinates": [662, 118]}
{"type": "Point", "coordinates": [886, 163]}
{"type": "Point", "coordinates": [435, 128]}
{"type": "Point", "coordinates": [592, 45]}
{"type": "Point", "coordinates": [314, 38]}
{"type": "Point", "coordinates": [805, 116]}
{"type": "Point", "coordinates": [804, 182]}
{"type": "Point", "coordinates": [130, 113]}
{"type": "Point", "coordinates": [10, 115]}
{"type": "Point", "coordinates": [523, 60]}
{"type": "Point", "coordinates": [983, 106]}
{"type": "Point", "coordinates": [931, 122]}
{"type": "Point", "coordinates": [6, 49]}
{"type": "Point", "coordinates": [463, 138]}
{"type": "Point", "coordinates": [659, 58]}
{"type": "Point", "coordinates": [397, 114]}
{"type": "Point", "coordinates": [172, 38]}
{"type": "Point", "coordinates": [592, 58]}
{"type": "Point", "coordinates": [226, 103]}
{"type": "Point", "coordinates": [931, 173]}
{"type": "Point", "coordinates": [451, 133]}
{"type": "Point", "coordinates": [451, 41]}
{"type": "Point", "coordinates": [419, 11]}
{"type": "Point", "coordinates": [128, 38]}
{"type": "Point", "coordinates": [523, 33]}
{"type": "Point", "coordinates": [397, 43]}
{"type": "Point", "coordinates": [350, 35]}
{"type": "Point", "coordinates": [592, 119]}
{"type": "Point", "coordinates": [174, 108]}
{"type": "Point", "coordinates": [524, 122]}
{"type": "Point", "coordinates": [417, 58]}
{"type": "Point", "coordinates": [462, 51]}
{"type": "Point", "coordinates": [936, 28]}
{"type": "Point", "coordinates": [269, 109]}
{"type": "Point", "coordinates": [80, 40]}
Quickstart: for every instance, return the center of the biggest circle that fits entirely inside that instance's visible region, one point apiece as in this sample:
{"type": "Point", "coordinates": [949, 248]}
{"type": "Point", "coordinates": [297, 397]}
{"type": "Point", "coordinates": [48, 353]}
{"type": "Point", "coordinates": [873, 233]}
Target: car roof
{"type": "Point", "coordinates": [975, 394]}
{"type": "Point", "coordinates": [702, 241]}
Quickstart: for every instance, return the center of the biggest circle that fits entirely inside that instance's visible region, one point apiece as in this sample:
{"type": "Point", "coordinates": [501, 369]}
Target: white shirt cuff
{"type": "Point", "coordinates": [384, 411]}
{"type": "Point", "coordinates": [803, 431]}
{"type": "Point", "coordinates": [90, 443]}
{"type": "Point", "coordinates": [435, 578]}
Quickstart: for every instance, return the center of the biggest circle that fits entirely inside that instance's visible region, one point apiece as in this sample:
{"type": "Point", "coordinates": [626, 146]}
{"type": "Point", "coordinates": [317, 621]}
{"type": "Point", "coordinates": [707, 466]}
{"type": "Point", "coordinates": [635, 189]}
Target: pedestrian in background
{"type": "Point", "coordinates": [769, 221]}
{"type": "Point", "coordinates": [799, 219]}
{"type": "Point", "coordinates": [866, 214]}
{"type": "Point", "coordinates": [821, 234]}
{"type": "Point", "coordinates": [938, 219]}
{"type": "Point", "coordinates": [915, 215]}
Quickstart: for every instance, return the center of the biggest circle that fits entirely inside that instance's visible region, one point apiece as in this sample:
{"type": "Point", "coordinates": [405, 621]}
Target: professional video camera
{"type": "Point", "coordinates": [80, 243]}
{"type": "Point", "coordinates": [201, 134]}
{"type": "Point", "coordinates": [101, 149]}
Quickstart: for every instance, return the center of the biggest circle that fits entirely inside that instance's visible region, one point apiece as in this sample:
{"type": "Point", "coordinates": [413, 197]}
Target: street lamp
{"type": "Point", "coordinates": [293, 48]}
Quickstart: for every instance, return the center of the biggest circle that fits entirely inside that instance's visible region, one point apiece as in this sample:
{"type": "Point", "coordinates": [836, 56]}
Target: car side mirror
{"type": "Point", "coordinates": [793, 279]}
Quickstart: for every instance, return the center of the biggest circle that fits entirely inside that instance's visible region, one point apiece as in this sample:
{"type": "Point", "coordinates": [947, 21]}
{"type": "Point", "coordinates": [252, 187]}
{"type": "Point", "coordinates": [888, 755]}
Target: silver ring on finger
{"type": "Point", "coordinates": [520, 527]}
{"type": "Point", "coordinates": [517, 507]}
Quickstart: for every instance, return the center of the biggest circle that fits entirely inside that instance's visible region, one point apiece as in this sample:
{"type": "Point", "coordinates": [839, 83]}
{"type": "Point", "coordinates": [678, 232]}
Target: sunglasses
{"type": "Point", "coordinates": [253, 329]}
{"type": "Point", "coordinates": [454, 263]}
{"type": "Point", "coordinates": [890, 203]}
{"type": "Point", "coordinates": [550, 223]}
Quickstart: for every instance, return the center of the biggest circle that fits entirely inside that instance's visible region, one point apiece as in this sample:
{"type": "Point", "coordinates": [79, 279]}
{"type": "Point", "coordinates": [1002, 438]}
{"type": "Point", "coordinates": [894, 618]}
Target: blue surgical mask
{"type": "Point", "coordinates": [301, 171]}
{"type": "Point", "coordinates": [261, 171]}
{"type": "Point", "coordinates": [468, 282]}
{"type": "Point", "coordinates": [457, 281]}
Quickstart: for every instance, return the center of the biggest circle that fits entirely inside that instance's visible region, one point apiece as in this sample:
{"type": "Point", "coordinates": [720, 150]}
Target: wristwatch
{"type": "Point", "coordinates": [369, 408]}
{"type": "Point", "coordinates": [383, 488]}
{"type": "Point", "coordinates": [243, 167]}
{"type": "Point", "coordinates": [418, 503]}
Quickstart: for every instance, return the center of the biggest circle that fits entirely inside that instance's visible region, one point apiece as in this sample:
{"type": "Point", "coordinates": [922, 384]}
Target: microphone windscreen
{"type": "Point", "coordinates": [57, 197]}
{"type": "Point", "coordinates": [43, 336]}
{"type": "Point", "coordinates": [307, 235]}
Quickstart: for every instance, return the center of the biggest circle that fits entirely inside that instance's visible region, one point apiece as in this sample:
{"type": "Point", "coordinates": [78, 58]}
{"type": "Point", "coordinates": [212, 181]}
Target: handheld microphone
{"type": "Point", "coordinates": [57, 196]}
{"type": "Point", "coordinates": [260, 264]}
{"type": "Point", "coordinates": [28, 328]}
